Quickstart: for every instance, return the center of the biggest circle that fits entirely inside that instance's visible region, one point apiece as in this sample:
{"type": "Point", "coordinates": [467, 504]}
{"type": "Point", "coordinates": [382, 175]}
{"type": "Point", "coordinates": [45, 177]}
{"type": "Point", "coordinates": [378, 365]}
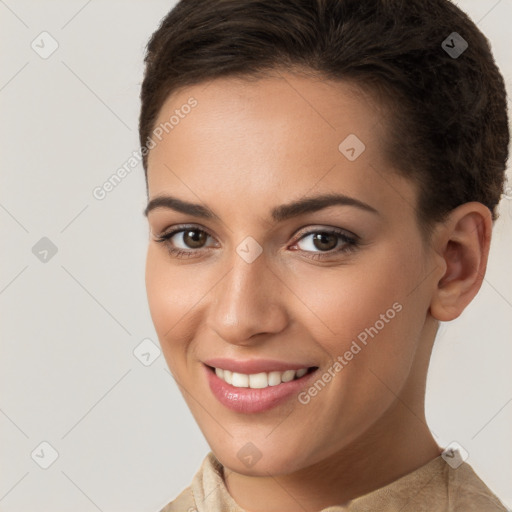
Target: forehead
{"type": "Point", "coordinates": [285, 110]}
{"type": "Point", "coordinates": [274, 137]}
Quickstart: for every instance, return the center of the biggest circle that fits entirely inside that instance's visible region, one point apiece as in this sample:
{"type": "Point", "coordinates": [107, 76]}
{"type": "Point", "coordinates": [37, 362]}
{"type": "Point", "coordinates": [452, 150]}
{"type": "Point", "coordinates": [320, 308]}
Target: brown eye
{"type": "Point", "coordinates": [325, 241]}
{"type": "Point", "coordinates": [194, 238]}
{"type": "Point", "coordinates": [320, 241]}
{"type": "Point", "coordinates": [184, 240]}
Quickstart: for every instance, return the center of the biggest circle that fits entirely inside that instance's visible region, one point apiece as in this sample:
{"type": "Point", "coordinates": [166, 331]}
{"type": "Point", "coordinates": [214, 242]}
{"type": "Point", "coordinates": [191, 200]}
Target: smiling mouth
{"type": "Point", "coordinates": [260, 380]}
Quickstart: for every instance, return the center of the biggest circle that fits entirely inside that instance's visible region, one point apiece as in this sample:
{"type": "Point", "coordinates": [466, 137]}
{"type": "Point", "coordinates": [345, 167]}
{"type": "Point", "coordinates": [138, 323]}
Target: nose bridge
{"type": "Point", "coordinates": [246, 301]}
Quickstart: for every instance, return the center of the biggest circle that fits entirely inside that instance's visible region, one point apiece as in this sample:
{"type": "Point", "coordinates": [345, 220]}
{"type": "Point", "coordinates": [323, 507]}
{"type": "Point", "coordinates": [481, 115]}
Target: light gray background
{"type": "Point", "coordinates": [68, 374]}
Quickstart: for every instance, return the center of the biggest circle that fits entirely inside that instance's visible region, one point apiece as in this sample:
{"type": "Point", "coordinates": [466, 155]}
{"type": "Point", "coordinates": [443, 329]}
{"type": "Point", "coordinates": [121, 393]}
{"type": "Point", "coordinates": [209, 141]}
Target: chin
{"type": "Point", "coordinates": [261, 458]}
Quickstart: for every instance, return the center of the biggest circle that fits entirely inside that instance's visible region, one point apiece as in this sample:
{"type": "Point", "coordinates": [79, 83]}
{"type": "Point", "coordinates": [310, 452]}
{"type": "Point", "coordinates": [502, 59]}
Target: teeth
{"type": "Point", "coordinates": [258, 380]}
{"type": "Point", "coordinates": [274, 378]}
{"type": "Point", "coordinates": [288, 375]}
{"type": "Point", "coordinates": [240, 380]}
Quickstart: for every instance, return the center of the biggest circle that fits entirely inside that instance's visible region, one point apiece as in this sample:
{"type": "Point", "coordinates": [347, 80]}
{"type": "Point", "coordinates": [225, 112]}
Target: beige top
{"type": "Point", "coordinates": [434, 487]}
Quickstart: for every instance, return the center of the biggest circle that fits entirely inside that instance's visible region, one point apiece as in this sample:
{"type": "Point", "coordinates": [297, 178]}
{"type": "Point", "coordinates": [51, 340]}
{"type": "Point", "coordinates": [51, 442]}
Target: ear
{"type": "Point", "coordinates": [462, 244]}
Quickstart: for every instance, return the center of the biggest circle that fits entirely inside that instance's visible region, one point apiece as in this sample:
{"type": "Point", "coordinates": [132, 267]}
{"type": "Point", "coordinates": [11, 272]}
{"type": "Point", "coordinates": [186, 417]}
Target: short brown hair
{"type": "Point", "coordinates": [448, 123]}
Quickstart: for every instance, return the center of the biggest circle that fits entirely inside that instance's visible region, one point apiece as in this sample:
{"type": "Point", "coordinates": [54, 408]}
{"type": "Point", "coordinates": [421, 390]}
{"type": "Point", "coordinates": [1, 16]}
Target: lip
{"type": "Point", "coordinates": [248, 400]}
{"type": "Point", "coordinates": [255, 365]}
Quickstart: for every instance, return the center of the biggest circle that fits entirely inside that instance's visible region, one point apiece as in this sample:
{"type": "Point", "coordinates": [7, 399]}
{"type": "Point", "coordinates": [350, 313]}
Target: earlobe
{"type": "Point", "coordinates": [463, 248]}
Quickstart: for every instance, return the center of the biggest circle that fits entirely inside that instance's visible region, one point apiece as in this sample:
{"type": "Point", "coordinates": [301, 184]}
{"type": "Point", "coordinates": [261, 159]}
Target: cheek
{"type": "Point", "coordinates": [342, 302]}
{"type": "Point", "coordinates": [367, 314]}
{"type": "Point", "coordinates": [174, 300]}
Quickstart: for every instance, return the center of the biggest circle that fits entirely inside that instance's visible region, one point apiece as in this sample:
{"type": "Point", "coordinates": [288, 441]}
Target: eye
{"type": "Point", "coordinates": [191, 238]}
{"type": "Point", "coordinates": [327, 242]}
{"type": "Point", "coordinates": [184, 241]}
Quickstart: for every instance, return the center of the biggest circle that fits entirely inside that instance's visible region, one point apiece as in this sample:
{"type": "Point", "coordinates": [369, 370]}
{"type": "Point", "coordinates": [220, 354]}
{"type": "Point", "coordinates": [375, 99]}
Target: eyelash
{"type": "Point", "coordinates": [351, 243]}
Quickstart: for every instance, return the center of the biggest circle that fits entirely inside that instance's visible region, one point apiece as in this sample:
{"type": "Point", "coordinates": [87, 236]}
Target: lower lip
{"type": "Point", "coordinates": [248, 400]}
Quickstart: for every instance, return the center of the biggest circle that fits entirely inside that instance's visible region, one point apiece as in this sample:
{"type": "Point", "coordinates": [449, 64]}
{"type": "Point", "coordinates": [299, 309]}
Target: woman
{"type": "Point", "coordinates": [322, 180]}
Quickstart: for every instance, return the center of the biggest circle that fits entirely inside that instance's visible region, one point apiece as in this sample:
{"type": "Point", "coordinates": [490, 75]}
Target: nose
{"type": "Point", "coordinates": [247, 301]}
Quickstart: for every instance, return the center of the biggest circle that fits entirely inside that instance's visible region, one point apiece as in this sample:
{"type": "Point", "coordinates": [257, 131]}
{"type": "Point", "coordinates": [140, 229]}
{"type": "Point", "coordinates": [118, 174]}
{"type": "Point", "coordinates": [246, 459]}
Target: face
{"type": "Point", "coordinates": [248, 284]}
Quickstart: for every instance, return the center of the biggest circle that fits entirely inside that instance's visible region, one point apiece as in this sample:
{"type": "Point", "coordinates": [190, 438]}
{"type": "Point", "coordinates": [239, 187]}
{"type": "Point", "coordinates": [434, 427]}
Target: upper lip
{"type": "Point", "coordinates": [252, 366]}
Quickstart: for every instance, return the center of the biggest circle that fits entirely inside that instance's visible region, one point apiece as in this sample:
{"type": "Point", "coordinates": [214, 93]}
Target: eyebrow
{"type": "Point", "coordinates": [278, 214]}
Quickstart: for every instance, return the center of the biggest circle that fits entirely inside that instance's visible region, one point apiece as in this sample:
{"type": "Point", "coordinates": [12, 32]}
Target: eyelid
{"type": "Point", "coordinates": [178, 228]}
{"type": "Point", "coordinates": [322, 228]}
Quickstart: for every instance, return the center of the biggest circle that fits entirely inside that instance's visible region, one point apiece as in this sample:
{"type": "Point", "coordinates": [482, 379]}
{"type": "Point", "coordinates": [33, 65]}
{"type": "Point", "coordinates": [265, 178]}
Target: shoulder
{"type": "Point", "coordinates": [184, 502]}
{"type": "Point", "coordinates": [207, 490]}
{"type": "Point", "coordinates": [469, 492]}
{"type": "Point", "coordinates": [434, 487]}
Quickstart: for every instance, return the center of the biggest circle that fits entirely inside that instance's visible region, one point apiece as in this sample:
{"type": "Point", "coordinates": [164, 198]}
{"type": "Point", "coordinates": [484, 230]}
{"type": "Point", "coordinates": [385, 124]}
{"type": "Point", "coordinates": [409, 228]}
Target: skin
{"type": "Point", "coordinates": [246, 148]}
